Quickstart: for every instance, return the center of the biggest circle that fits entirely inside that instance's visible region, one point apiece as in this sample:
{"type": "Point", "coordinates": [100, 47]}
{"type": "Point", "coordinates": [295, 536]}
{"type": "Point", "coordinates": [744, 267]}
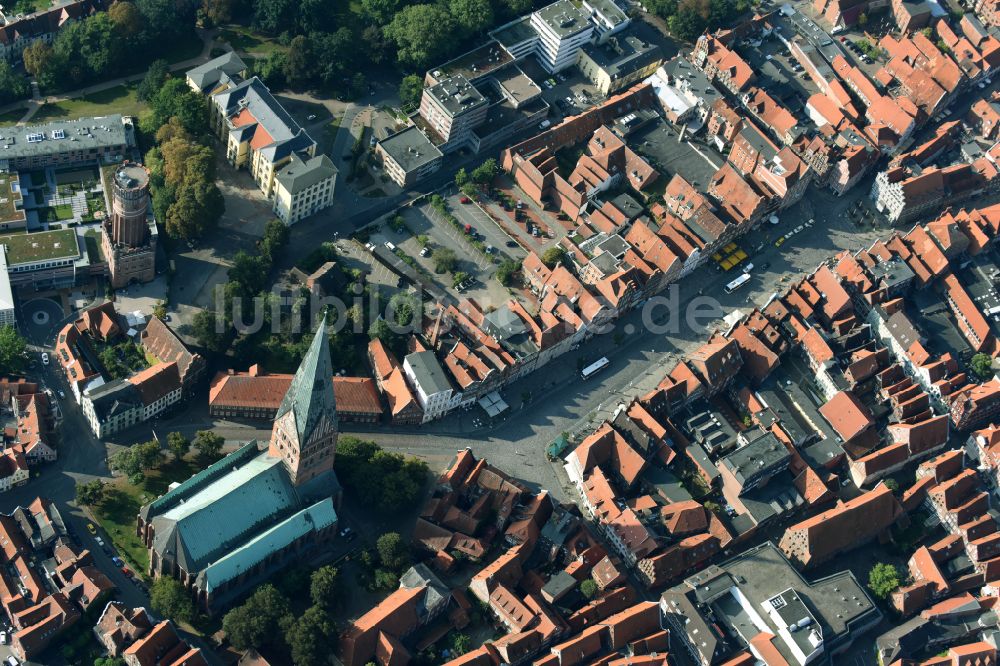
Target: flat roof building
{"type": "Point", "coordinates": [562, 29]}
{"type": "Point", "coordinates": [619, 62]}
{"type": "Point", "coordinates": [106, 139]}
{"type": "Point", "coordinates": [451, 110]}
{"type": "Point", "coordinates": [758, 601]}
{"type": "Point", "coordinates": [408, 155]}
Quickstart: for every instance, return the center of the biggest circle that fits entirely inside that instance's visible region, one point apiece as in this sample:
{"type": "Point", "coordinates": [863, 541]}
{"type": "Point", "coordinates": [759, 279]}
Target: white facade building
{"type": "Point", "coordinates": [562, 29]}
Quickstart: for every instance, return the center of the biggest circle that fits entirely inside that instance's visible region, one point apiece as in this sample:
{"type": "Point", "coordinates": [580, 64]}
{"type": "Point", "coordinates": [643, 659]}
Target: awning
{"type": "Point", "coordinates": [493, 404]}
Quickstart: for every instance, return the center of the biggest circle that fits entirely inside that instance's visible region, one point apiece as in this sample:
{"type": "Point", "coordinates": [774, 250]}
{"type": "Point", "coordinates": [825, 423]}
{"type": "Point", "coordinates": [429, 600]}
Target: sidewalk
{"type": "Point", "coordinates": [37, 101]}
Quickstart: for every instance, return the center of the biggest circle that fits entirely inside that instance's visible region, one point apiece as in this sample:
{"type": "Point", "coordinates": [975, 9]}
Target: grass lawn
{"type": "Point", "coordinates": [117, 514]}
{"type": "Point", "coordinates": [120, 99]}
{"type": "Point", "coordinates": [245, 40]}
{"type": "Point", "coordinates": [12, 117]}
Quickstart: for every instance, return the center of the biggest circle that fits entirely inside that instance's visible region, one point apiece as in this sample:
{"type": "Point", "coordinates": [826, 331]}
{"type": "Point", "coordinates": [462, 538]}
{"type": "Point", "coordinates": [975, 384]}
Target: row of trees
{"type": "Point", "coordinates": [413, 35]}
{"type": "Point", "coordinates": [689, 18]}
{"type": "Point", "coordinates": [123, 39]}
{"type": "Point", "coordinates": [134, 461]}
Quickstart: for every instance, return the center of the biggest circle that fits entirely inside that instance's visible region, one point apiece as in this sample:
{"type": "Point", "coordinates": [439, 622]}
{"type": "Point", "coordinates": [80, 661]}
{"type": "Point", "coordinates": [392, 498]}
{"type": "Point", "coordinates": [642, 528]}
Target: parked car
{"type": "Point", "coordinates": [127, 572]}
{"type": "Point", "coordinates": [13, 661]}
{"type": "Point", "coordinates": [3, 638]}
{"type": "Point", "coordinates": [45, 358]}
{"type": "Point", "coordinates": [100, 541]}
{"type": "Point", "coordinates": [62, 396]}
{"type": "Point", "coordinates": [764, 266]}
{"type": "Point", "coordinates": [511, 243]}
{"type": "Point", "coordinates": [311, 116]}
{"type": "Point", "coordinates": [425, 251]}
{"type": "Point", "coordinates": [468, 229]}
{"type": "Point", "coordinates": [345, 532]}
{"type": "Point", "coordinates": [91, 528]}
{"type": "Point", "coordinates": [465, 200]}
{"type": "Point", "coordinates": [118, 561]}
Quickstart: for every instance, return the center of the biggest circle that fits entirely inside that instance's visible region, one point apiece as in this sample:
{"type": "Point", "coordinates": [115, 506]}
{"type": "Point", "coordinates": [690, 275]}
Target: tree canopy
{"type": "Point", "coordinates": [260, 620]}
{"type": "Point", "coordinates": [422, 34]}
{"type": "Point", "coordinates": [208, 444]}
{"type": "Point", "coordinates": [12, 350]}
{"type": "Point", "coordinates": [169, 598]}
{"type": "Point", "coordinates": [382, 480]}
{"type": "Point", "coordinates": [883, 580]}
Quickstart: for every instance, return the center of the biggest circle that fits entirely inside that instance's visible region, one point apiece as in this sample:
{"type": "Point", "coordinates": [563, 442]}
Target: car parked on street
{"type": "Point", "coordinates": [45, 358]}
{"type": "Point", "coordinates": [91, 528]}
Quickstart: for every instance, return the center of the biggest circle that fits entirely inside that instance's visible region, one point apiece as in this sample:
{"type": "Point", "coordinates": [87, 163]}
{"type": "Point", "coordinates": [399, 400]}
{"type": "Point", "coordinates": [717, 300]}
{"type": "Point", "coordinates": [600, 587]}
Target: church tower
{"type": "Point", "coordinates": [304, 435]}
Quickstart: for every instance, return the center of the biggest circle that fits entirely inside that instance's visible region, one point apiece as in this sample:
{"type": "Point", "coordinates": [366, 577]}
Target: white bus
{"type": "Point", "coordinates": [595, 367]}
{"type": "Point", "coordinates": [737, 283]}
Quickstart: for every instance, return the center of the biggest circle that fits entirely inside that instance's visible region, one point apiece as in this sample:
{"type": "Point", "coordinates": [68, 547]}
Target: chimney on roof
{"type": "Point", "coordinates": [255, 370]}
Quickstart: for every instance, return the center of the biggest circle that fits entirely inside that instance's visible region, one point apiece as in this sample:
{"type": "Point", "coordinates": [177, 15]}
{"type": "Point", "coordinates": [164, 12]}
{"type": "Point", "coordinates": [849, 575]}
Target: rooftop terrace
{"type": "Point", "coordinates": [43, 246]}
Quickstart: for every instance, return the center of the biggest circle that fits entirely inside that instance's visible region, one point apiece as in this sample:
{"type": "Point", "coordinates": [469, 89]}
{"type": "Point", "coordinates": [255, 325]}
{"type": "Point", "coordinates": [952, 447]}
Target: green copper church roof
{"type": "Point", "coordinates": [310, 395]}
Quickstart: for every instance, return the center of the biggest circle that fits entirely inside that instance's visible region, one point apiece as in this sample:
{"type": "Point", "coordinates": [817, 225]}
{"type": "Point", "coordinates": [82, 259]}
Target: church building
{"type": "Point", "coordinates": [229, 527]}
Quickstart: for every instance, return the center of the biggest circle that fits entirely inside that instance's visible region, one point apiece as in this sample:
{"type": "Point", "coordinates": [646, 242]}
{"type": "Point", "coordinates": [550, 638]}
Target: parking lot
{"type": "Point", "coordinates": [425, 223]}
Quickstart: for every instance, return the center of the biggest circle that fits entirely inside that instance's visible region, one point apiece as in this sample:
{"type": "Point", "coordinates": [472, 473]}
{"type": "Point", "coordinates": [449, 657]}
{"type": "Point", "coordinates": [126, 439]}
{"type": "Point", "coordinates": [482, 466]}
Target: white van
{"type": "Point", "coordinates": [389, 246]}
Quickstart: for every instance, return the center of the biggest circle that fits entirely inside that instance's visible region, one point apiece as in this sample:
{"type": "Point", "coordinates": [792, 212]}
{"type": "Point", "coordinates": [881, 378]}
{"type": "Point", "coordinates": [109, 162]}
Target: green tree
{"type": "Point", "coordinates": [381, 329]}
{"type": "Point", "coordinates": [169, 598]}
{"type": "Point", "coordinates": [308, 637]}
{"type": "Point", "coordinates": [892, 485]}
{"type": "Point", "coordinates": [379, 479]}
{"type": "Point", "coordinates": [588, 588]}
{"type": "Point", "coordinates": [260, 620]}
{"type": "Point", "coordinates": [91, 493]}
{"type": "Point", "coordinates": [862, 19]}
{"type": "Point", "coordinates": [461, 178]}
{"type": "Point", "coordinates": [554, 256]}
{"type": "Point", "coordinates": [217, 11]}
{"type": "Point", "coordinates": [883, 580]}
{"type": "Point", "coordinates": [687, 24]}
{"type": "Point", "coordinates": [178, 445]}
{"type": "Point", "coordinates": [210, 331]}
{"type": "Point", "coordinates": [393, 552]}
{"type": "Point", "coordinates": [982, 365]}
{"type": "Point", "coordinates": [380, 11]}
{"type": "Point", "coordinates": [470, 190]}
{"type": "Point", "coordinates": [274, 16]}
{"type": "Point", "coordinates": [473, 16]}
{"type": "Point", "coordinates": [324, 586]}
{"type": "Point", "coordinates": [276, 235]}
{"type": "Point", "coordinates": [411, 89]}
{"type": "Point", "coordinates": [458, 277]}
{"type": "Point", "coordinates": [13, 349]}
{"type": "Point", "coordinates": [299, 61]}
{"type": "Point", "coordinates": [404, 306]}
{"type": "Point", "coordinates": [486, 172]}
{"type": "Point", "coordinates": [460, 643]}
{"type": "Point", "coordinates": [12, 85]}
{"type": "Point", "coordinates": [154, 79]}
{"type": "Point", "coordinates": [160, 310]}
{"type": "Point", "coordinates": [37, 57]}
{"type": "Point", "coordinates": [126, 19]}
{"type": "Point", "coordinates": [423, 34]}
{"type": "Point", "coordinates": [444, 260]}
{"type": "Point", "coordinates": [249, 272]}
{"type": "Point", "coordinates": [386, 580]}
{"type": "Point", "coordinates": [506, 271]}
{"type": "Point", "coordinates": [208, 444]}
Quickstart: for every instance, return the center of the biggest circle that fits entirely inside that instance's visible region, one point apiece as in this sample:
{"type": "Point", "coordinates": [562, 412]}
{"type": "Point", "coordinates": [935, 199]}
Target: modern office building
{"type": "Point", "coordinates": [562, 29]}
{"type": "Point", "coordinates": [451, 109]}
{"type": "Point", "coordinates": [619, 62]}
{"type": "Point", "coordinates": [408, 156]}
